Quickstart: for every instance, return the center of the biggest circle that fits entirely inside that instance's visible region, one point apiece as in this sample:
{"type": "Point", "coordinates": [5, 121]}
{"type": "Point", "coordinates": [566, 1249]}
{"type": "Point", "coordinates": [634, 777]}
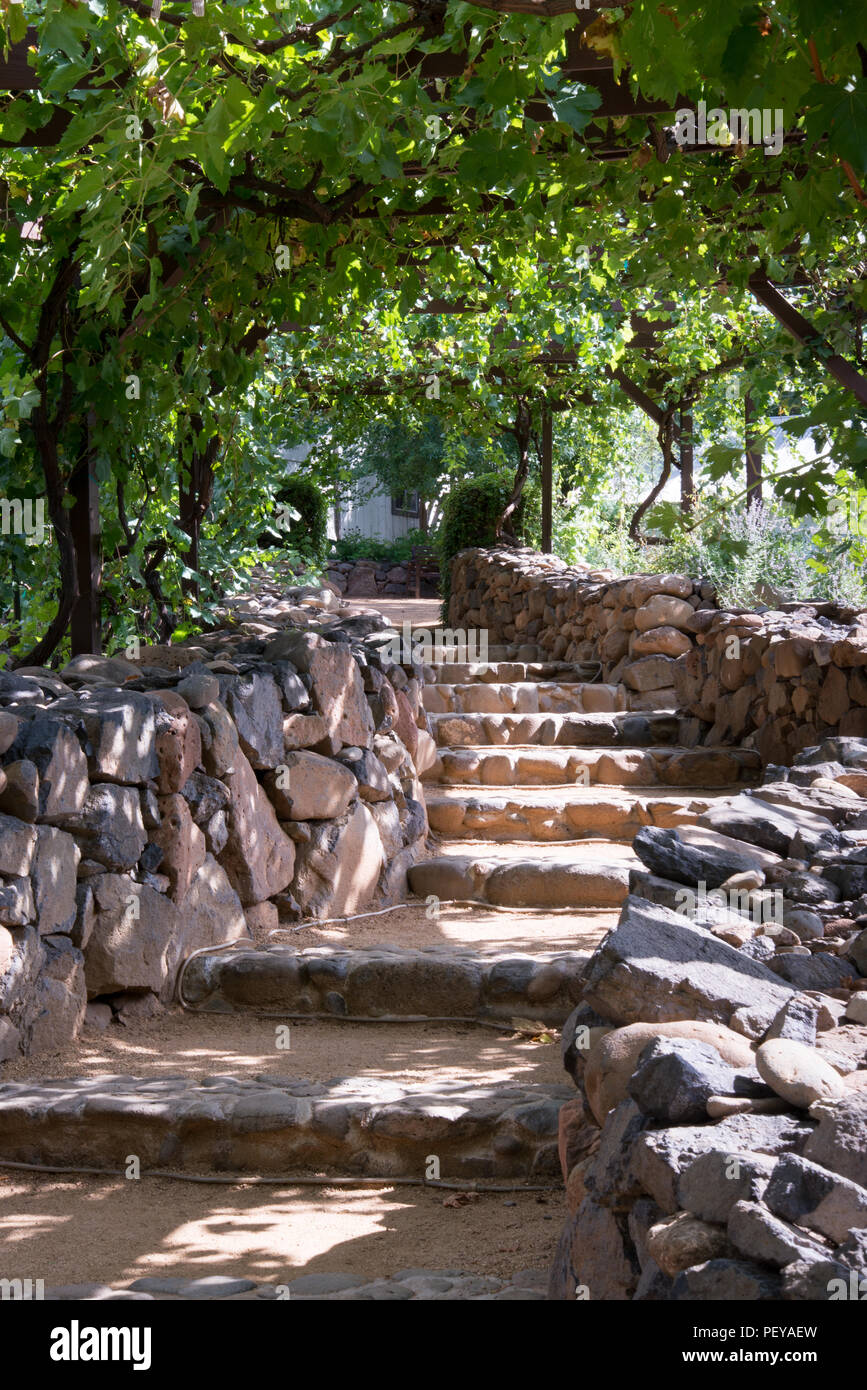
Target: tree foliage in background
{"type": "Point", "coordinates": [214, 178]}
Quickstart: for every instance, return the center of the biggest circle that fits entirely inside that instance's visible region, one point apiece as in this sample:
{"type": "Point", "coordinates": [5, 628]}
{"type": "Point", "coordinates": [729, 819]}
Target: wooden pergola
{"type": "Point", "coordinates": [602, 140]}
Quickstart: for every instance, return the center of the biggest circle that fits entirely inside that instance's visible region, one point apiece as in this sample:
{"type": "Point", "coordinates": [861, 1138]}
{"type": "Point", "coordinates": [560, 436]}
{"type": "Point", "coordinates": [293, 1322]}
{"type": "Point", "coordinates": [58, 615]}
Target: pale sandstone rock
{"type": "Point", "coordinates": [612, 1060]}
{"type": "Point", "coordinates": [663, 610]}
{"type": "Point", "coordinates": [682, 1240]}
{"type": "Point", "coordinates": [310, 788]}
{"type": "Point", "coordinates": [797, 1072]}
{"type": "Point", "coordinates": [258, 858]}
{"type": "Point", "coordinates": [660, 641]}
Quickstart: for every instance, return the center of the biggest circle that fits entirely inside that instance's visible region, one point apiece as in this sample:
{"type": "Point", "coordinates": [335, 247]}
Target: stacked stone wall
{"type": "Point", "coordinates": [775, 680]}
{"type": "Point", "coordinates": [194, 796]}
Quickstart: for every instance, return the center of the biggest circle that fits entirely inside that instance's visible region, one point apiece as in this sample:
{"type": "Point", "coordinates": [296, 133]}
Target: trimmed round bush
{"type": "Point", "coordinates": [470, 514]}
{"type": "Point", "coordinates": [309, 534]}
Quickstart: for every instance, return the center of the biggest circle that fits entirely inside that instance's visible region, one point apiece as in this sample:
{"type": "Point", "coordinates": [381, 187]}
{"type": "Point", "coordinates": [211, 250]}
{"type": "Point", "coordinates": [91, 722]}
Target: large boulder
{"type": "Point", "coordinates": [656, 965]}
{"type": "Point", "coordinates": [664, 610]}
{"type": "Point", "coordinates": [310, 787]}
{"type": "Point", "coordinates": [109, 826]}
{"type": "Point", "coordinates": [253, 701]}
{"type": "Point", "coordinates": [54, 879]}
{"type": "Point", "coordinates": [338, 867]}
{"type": "Point", "coordinates": [181, 842]}
{"type": "Point", "coordinates": [128, 946]}
{"type": "Point", "coordinates": [210, 915]}
{"type": "Point", "coordinates": [775, 828]}
{"type": "Point", "coordinates": [840, 1141]}
{"type": "Point", "coordinates": [612, 1059]}
{"type": "Point", "coordinates": [668, 855]}
{"type": "Point", "coordinates": [51, 746]}
{"type": "Point", "coordinates": [17, 907]}
{"type": "Point", "coordinates": [220, 746]}
{"type": "Point", "coordinates": [337, 686]}
{"type": "Point", "coordinates": [18, 842]}
{"type": "Point", "coordinates": [121, 736]}
{"type": "Point", "coordinates": [178, 740]}
{"type": "Point", "coordinates": [56, 1011]}
{"type": "Point", "coordinates": [258, 858]}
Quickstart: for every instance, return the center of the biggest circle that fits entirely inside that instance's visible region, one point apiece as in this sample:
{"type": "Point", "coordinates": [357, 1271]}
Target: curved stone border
{"type": "Point", "coordinates": [229, 1124]}
{"type": "Point", "coordinates": [389, 981]}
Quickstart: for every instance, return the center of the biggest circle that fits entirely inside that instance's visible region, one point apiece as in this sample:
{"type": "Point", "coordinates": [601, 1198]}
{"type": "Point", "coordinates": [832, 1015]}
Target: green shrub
{"type": "Point", "coordinates": [353, 546]}
{"type": "Point", "coordinates": [309, 534]}
{"type": "Point", "coordinates": [470, 514]}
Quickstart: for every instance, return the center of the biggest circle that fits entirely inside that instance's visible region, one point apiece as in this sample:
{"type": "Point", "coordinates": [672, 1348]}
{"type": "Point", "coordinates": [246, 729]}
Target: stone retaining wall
{"type": "Point", "coordinates": [380, 579]}
{"type": "Point", "coordinates": [778, 681]}
{"type": "Point", "coordinates": [268, 773]}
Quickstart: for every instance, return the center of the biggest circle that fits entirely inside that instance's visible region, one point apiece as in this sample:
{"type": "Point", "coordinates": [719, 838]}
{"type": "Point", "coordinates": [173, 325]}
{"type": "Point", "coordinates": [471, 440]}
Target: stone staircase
{"type": "Point", "coordinates": [542, 780]}
{"type": "Point", "coordinates": [540, 783]}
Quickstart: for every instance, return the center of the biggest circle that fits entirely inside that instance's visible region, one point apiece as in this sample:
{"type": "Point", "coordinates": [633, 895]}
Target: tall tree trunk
{"type": "Point", "coordinates": [687, 461]}
{"type": "Point", "coordinates": [195, 490]}
{"type": "Point", "coordinates": [522, 433]}
{"type": "Point", "coordinates": [547, 481]}
{"type": "Point", "coordinates": [665, 436]}
{"type": "Point", "coordinates": [84, 625]}
{"type": "Point", "coordinates": [45, 436]}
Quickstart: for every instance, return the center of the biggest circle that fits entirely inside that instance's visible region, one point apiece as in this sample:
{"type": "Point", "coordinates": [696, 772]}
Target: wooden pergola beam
{"type": "Point", "coordinates": [804, 333]}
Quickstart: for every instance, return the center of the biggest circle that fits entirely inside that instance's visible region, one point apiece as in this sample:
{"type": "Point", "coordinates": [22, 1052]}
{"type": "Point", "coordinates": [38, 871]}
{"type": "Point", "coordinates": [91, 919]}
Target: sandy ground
{"type": "Point", "coordinates": [420, 612]}
{"type": "Point", "coordinates": [108, 1230]}
{"type": "Point", "coordinates": [482, 928]}
{"type": "Point", "coordinates": [233, 1045]}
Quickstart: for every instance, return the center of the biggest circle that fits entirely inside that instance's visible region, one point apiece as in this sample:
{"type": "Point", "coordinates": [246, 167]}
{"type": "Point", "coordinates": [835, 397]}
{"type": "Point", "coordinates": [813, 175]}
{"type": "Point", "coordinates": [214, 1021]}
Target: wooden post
{"type": "Point", "coordinates": [753, 452]}
{"type": "Point", "coordinates": [547, 480]}
{"type": "Point", "coordinates": [687, 464]}
{"type": "Point", "coordinates": [85, 630]}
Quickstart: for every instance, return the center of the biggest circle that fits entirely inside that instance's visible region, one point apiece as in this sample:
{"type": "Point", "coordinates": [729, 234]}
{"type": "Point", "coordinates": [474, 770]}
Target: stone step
{"type": "Point", "coordinates": [564, 730]}
{"type": "Point", "coordinates": [524, 697]}
{"type": "Point", "coordinates": [510, 672]}
{"type": "Point", "coordinates": [386, 981]}
{"type": "Point", "coordinates": [611, 767]}
{"type": "Point", "coordinates": [560, 813]}
{"type": "Point", "coordinates": [540, 880]}
{"type": "Point", "coordinates": [349, 1125]}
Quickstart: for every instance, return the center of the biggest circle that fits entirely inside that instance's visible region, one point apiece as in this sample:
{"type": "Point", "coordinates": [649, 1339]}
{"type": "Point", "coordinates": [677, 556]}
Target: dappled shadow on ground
{"type": "Point", "coordinates": [219, 1044]}
{"type": "Point", "coordinates": [112, 1231]}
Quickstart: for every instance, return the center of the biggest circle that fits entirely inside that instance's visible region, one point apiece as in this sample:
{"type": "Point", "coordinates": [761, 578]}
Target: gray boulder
{"type": "Point", "coordinates": [676, 1077]}
{"type": "Point", "coordinates": [804, 1192]}
{"type": "Point", "coordinates": [772, 827]}
{"type": "Point", "coordinates": [840, 1141]}
{"type": "Point", "coordinates": [109, 827]}
{"type": "Point", "coordinates": [726, 1280]}
{"type": "Point", "coordinates": [668, 856]}
{"type": "Point", "coordinates": [657, 966]}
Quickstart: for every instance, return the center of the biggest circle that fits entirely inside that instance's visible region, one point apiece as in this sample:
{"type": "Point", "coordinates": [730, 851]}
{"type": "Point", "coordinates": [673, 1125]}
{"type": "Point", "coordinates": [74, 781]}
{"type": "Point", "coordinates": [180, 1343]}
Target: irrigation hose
{"type": "Point", "coordinates": [258, 1180]}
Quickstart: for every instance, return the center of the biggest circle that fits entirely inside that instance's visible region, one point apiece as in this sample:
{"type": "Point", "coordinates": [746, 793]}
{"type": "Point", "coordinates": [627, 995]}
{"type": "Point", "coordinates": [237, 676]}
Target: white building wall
{"type": "Point", "coordinates": [373, 517]}
{"type": "Point", "coordinates": [366, 510]}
